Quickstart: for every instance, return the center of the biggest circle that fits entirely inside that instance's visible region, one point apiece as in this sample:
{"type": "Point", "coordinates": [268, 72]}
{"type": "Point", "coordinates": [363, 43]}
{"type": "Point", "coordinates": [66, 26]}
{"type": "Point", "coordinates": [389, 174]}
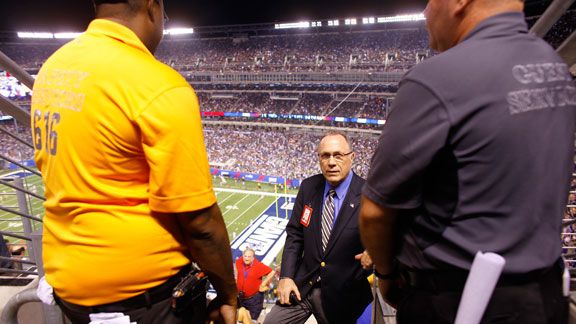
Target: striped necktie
{"type": "Point", "coordinates": [327, 217]}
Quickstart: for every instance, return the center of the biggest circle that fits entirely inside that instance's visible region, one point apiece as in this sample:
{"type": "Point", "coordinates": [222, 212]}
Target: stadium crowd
{"type": "Point", "coordinates": [275, 152]}
{"type": "Point", "coordinates": [389, 50]}
{"type": "Point", "coordinates": [244, 149]}
{"type": "Point", "coordinates": [12, 148]}
{"type": "Point", "coordinates": [569, 236]}
{"type": "Point", "coordinates": [310, 104]}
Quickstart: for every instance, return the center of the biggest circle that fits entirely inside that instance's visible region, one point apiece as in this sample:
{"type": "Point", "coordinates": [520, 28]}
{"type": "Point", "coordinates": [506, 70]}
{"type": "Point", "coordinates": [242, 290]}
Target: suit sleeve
{"type": "Point", "coordinates": [294, 239]}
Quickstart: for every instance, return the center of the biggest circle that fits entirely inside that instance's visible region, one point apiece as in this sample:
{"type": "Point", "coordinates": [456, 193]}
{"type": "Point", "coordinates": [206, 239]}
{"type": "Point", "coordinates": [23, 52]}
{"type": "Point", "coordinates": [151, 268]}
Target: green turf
{"type": "Point", "coordinates": [12, 223]}
{"type": "Point", "coordinates": [238, 209]}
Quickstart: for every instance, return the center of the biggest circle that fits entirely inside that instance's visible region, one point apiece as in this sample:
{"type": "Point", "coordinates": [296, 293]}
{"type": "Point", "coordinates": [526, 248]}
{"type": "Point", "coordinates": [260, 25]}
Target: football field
{"type": "Point", "coordinates": [10, 222]}
{"type": "Point", "coordinates": [241, 207]}
{"type": "Point", "coordinates": [241, 204]}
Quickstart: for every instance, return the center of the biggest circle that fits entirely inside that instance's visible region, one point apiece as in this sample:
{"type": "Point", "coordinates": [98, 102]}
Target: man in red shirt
{"type": "Point", "coordinates": [249, 274]}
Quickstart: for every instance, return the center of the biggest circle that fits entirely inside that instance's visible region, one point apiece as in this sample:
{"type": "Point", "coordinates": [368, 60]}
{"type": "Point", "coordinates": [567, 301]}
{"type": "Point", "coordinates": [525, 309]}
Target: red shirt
{"type": "Point", "coordinates": [250, 277]}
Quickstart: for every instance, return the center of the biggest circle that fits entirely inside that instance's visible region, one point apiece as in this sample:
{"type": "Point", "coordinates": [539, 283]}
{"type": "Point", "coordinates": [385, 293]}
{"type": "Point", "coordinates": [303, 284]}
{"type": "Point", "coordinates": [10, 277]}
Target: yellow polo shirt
{"type": "Point", "coordinates": [117, 137]}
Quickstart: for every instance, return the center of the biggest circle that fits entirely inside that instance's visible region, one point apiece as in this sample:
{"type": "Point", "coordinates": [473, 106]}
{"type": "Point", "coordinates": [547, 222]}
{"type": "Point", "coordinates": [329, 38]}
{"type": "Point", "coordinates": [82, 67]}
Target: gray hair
{"type": "Point", "coordinates": [338, 133]}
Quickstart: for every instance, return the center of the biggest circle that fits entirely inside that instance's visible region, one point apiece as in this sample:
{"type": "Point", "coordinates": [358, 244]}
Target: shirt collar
{"type": "Point", "coordinates": [117, 31]}
{"type": "Point", "coordinates": [502, 24]}
{"type": "Point", "coordinates": [342, 188]}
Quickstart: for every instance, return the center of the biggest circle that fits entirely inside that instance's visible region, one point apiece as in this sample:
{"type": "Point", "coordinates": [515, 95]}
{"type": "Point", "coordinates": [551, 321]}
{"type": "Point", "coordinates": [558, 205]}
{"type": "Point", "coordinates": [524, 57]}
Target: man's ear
{"type": "Point", "coordinates": [150, 9]}
{"type": "Point", "coordinates": [461, 6]}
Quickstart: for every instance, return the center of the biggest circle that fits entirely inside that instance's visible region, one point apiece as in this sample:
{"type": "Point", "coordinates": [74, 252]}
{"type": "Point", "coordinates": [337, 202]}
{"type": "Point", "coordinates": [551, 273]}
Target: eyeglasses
{"type": "Point", "coordinates": [339, 157]}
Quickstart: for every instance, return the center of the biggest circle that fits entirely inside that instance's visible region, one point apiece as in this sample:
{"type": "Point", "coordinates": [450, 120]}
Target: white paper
{"type": "Point", "coordinates": [109, 318]}
{"type": "Point", "coordinates": [480, 284]}
{"type": "Point", "coordinates": [566, 282]}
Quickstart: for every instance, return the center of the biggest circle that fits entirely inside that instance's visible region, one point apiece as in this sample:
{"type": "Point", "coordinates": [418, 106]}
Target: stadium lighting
{"type": "Point", "coordinates": [369, 20]}
{"type": "Point", "coordinates": [302, 24]}
{"type": "Point", "coordinates": [350, 21]}
{"type": "Point", "coordinates": [401, 18]}
{"type": "Point", "coordinates": [333, 22]}
{"type": "Point", "coordinates": [35, 35]}
{"type": "Point", "coordinates": [316, 24]}
{"type": "Point", "coordinates": [179, 31]}
{"type": "Point", "coordinates": [66, 35]}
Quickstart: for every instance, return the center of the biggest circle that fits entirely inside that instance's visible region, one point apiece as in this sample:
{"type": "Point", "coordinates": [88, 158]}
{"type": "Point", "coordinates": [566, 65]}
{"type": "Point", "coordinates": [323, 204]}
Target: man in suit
{"type": "Point", "coordinates": [319, 268]}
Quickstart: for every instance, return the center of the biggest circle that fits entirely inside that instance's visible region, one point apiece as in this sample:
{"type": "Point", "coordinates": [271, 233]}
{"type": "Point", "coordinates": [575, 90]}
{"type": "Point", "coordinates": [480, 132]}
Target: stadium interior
{"type": "Point", "coordinates": [265, 94]}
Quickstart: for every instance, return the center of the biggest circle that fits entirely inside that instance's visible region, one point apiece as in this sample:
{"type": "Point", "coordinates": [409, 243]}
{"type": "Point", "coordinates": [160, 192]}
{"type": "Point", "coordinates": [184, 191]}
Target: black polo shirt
{"type": "Point", "coordinates": [478, 151]}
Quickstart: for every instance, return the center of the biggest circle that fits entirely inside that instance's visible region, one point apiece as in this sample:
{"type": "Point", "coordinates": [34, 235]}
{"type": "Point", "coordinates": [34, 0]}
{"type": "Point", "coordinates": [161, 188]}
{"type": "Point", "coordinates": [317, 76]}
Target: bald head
{"type": "Point", "coordinates": [449, 21]}
{"type": "Point", "coordinates": [144, 17]}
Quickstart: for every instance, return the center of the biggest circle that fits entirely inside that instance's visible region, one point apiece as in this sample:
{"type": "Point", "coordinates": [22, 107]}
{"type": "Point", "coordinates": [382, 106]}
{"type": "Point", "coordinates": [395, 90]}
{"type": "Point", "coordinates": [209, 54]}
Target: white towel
{"type": "Point", "coordinates": [45, 292]}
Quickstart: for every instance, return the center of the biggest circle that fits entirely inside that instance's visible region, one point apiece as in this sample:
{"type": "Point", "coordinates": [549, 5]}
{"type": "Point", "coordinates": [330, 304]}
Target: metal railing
{"type": "Point", "coordinates": [10, 312]}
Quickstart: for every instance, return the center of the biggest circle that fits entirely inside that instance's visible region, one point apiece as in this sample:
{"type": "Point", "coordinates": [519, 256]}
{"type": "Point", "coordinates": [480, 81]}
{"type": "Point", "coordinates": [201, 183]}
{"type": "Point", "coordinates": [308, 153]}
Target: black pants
{"type": "Point", "coordinates": [254, 304]}
{"type": "Point", "coordinates": [152, 307]}
{"type": "Point", "coordinates": [158, 313]}
{"type": "Point", "coordinates": [537, 301]}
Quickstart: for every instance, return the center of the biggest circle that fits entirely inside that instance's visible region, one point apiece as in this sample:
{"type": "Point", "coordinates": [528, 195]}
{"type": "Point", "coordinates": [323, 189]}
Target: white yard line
{"type": "Point", "coordinates": [247, 209]}
{"type": "Point", "coordinates": [223, 200]}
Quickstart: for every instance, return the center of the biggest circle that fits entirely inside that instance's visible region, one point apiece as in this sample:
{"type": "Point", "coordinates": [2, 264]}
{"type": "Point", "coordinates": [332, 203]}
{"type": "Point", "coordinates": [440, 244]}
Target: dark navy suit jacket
{"type": "Point", "coordinates": [345, 289]}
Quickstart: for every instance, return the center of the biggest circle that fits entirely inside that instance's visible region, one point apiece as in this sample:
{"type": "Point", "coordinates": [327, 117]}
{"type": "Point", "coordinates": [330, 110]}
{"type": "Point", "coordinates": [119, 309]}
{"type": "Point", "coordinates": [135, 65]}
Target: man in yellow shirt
{"type": "Point", "coordinates": [130, 202]}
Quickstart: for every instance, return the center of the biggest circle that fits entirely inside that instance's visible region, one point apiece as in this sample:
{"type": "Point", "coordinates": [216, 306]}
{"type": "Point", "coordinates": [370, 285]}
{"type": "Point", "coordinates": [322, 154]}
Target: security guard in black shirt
{"type": "Point", "coordinates": [476, 156]}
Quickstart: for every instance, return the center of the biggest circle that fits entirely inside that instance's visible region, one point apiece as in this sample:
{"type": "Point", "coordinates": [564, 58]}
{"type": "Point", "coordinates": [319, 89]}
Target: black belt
{"type": "Point", "coordinates": [454, 280]}
{"type": "Point", "coordinates": [146, 299]}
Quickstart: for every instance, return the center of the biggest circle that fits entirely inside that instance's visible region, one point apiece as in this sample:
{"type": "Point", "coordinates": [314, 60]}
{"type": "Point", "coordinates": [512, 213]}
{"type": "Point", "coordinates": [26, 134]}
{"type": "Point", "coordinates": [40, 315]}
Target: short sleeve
{"type": "Point", "coordinates": [263, 270]}
{"type": "Point", "coordinates": [173, 144]}
{"type": "Point", "coordinates": [416, 130]}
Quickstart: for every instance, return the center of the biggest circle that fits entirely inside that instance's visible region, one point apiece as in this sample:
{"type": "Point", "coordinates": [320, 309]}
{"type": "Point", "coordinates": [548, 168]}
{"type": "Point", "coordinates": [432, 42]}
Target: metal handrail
{"type": "Point", "coordinates": [17, 260]}
{"type": "Point", "coordinates": [8, 184]}
{"type": "Point", "coordinates": [554, 11]}
{"type": "Point", "coordinates": [7, 132]}
{"type": "Point", "coordinates": [16, 70]}
{"type": "Point", "coordinates": [18, 271]}
{"type": "Point", "coordinates": [10, 108]}
{"type": "Point", "coordinates": [10, 312]}
{"type": "Point", "coordinates": [8, 210]}
{"type": "Point", "coordinates": [22, 237]}
{"type": "Point", "coordinates": [3, 157]}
